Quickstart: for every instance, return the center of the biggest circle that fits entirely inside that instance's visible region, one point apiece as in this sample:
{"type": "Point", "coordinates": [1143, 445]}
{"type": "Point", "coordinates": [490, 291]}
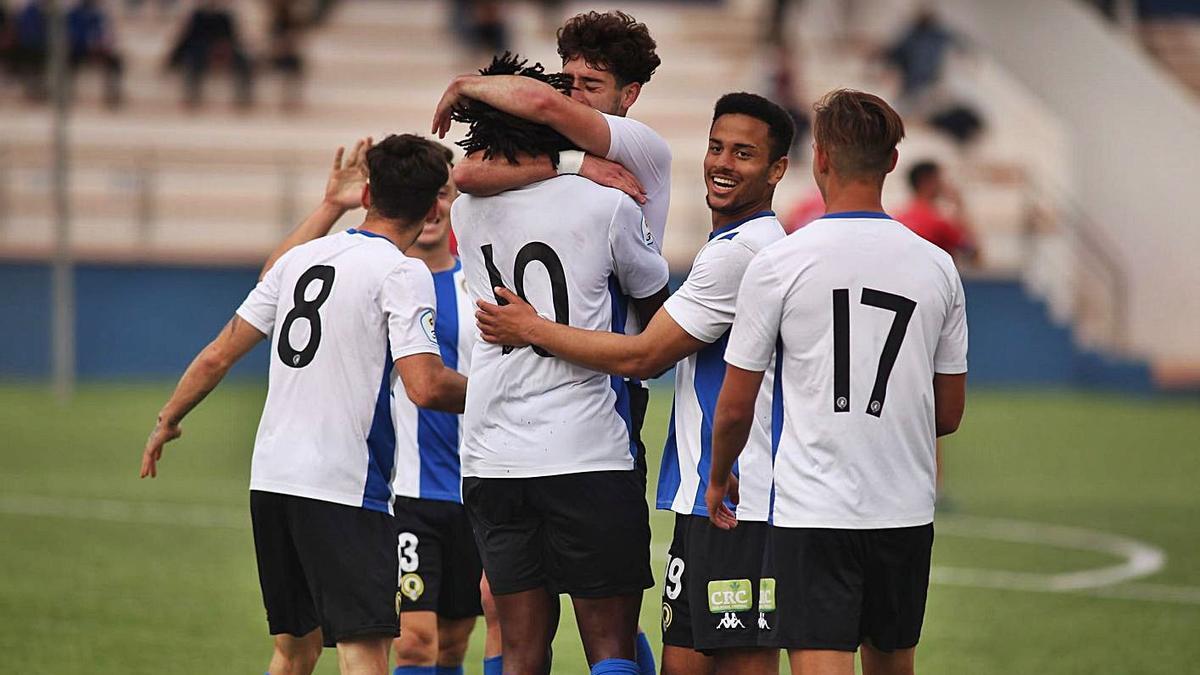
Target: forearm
{"type": "Point", "coordinates": [202, 376]}
{"type": "Point", "coordinates": [450, 393]}
{"type": "Point", "coordinates": [730, 434]}
{"type": "Point", "coordinates": [614, 353]}
{"type": "Point", "coordinates": [316, 225]}
{"type": "Point", "coordinates": [522, 97]}
{"type": "Point", "coordinates": [486, 177]}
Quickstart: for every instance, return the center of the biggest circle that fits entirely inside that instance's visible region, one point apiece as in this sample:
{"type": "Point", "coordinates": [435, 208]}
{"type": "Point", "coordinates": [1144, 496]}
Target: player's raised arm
{"type": "Point", "coordinates": [343, 192]}
{"type": "Point", "coordinates": [481, 177]}
{"type": "Point", "coordinates": [201, 377]}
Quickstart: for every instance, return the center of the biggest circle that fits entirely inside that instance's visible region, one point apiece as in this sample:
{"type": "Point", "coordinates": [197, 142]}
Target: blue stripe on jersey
{"type": "Point", "coordinates": [710, 375]}
{"type": "Point", "coordinates": [738, 223]}
{"type": "Point", "coordinates": [437, 432]}
{"type": "Point", "coordinates": [620, 309]}
{"type": "Point", "coordinates": [381, 447]}
{"type": "Point", "coordinates": [668, 472]}
{"type": "Point", "coordinates": [858, 214]}
{"type": "Point", "coordinates": [776, 419]}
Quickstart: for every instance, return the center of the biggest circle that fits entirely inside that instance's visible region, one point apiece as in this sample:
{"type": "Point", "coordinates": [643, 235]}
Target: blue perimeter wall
{"type": "Point", "coordinates": [146, 321]}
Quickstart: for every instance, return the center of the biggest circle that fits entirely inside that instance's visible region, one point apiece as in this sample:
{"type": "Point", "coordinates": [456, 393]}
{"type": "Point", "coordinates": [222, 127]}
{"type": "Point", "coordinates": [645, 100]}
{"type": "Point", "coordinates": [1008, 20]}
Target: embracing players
{"type": "Point", "coordinates": [866, 325]}
{"type": "Point", "coordinates": [711, 594]}
{"type": "Point", "coordinates": [347, 315]}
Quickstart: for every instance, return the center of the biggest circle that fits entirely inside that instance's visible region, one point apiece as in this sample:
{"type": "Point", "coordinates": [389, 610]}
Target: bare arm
{"type": "Point", "coordinates": [735, 416]}
{"type": "Point", "coordinates": [201, 377]}
{"type": "Point", "coordinates": [481, 177]}
{"type": "Point", "coordinates": [661, 345]}
{"type": "Point", "coordinates": [343, 192]}
{"type": "Point", "coordinates": [949, 401]}
{"type": "Point", "coordinates": [528, 99]}
{"type": "Point", "coordinates": [430, 384]}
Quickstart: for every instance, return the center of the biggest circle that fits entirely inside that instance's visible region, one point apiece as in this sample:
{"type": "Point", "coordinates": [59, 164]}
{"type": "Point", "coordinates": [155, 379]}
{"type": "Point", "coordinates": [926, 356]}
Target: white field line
{"type": "Point", "coordinates": [1139, 559]}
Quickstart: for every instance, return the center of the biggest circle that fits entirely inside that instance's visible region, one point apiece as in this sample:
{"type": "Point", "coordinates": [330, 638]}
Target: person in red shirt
{"type": "Point", "coordinates": [948, 229]}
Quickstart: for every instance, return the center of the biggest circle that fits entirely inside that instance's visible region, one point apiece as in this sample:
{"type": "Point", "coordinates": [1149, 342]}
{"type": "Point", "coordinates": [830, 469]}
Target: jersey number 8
{"type": "Point", "coordinates": [305, 309]}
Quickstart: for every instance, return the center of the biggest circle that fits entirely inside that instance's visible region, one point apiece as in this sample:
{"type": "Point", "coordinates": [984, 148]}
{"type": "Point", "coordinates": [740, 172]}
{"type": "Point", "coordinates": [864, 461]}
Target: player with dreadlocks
{"type": "Point", "coordinates": [548, 454]}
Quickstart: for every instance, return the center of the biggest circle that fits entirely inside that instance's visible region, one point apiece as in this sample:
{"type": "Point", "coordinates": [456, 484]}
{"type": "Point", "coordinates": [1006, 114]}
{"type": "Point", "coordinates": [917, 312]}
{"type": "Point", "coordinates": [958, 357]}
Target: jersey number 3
{"type": "Point", "coordinates": [903, 308]}
{"type": "Point", "coordinates": [534, 250]}
{"type": "Point", "coordinates": [305, 309]}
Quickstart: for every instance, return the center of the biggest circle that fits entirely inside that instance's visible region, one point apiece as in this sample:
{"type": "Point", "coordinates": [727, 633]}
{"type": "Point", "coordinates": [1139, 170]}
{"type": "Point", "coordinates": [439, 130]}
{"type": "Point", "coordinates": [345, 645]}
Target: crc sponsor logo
{"type": "Point", "coordinates": [730, 595]}
{"type": "Point", "coordinates": [730, 620]}
{"type": "Point", "coordinates": [766, 595]}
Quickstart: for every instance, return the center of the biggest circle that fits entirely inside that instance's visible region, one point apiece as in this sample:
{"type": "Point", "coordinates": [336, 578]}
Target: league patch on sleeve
{"type": "Point", "coordinates": [427, 322]}
{"type": "Point", "coordinates": [647, 235]}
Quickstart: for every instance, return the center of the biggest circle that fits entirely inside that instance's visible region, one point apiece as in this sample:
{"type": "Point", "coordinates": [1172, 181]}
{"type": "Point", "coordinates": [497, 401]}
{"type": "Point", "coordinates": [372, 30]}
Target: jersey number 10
{"type": "Point", "coordinates": [541, 252]}
{"type": "Point", "coordinates": [903, 308]}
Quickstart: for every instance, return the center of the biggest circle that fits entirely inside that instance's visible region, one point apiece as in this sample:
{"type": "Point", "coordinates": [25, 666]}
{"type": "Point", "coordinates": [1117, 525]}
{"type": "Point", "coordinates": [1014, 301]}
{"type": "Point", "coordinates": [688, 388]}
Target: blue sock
{"type": "Point", "coordinates": [415, 670]}
{"type": "Point", "coordinates": [645, 655]}
{"type": "Point", "coordinates": [615, 667]}
{"type": "Point", "coordinates": [449, 670]}
{"type": "Point", "coordinates": [494, 665]}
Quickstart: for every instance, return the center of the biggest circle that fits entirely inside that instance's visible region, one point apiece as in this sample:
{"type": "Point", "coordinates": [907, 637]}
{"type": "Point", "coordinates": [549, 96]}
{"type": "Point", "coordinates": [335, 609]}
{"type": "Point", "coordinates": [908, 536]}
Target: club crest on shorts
{"type": "Point", "coordinates": [667, 616]}
{"type": "Point", "coordinates": [427, 323]}
{"type": "Point", "coordinates": [730, 595]}
{"type": "Point", "coordinates": [412, 586]}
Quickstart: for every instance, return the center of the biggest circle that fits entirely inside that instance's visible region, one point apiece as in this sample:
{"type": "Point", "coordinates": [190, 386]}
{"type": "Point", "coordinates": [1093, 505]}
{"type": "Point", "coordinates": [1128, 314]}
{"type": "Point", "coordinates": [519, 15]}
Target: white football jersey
{"type": "Point", "coordinates": [340, 310]}
{"type": "Point", "coordinates": [427, 463]}
{"type": "Point", "coordinates": [704, 307]}
{"type": "Point", "coordinates": [645, 154]}
{"type": "Point", "coordinates": [861, 313]}
{"type": "Point", "coordinates": [573, 249]}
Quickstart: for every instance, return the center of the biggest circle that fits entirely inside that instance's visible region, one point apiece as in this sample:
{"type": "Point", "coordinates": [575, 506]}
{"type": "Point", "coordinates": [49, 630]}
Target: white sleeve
{"type": "Point", "coordinates": [640, 269]}
{"type": "Point", "coordinates": [647, 156]}
{"type": "Point", "coordinates": [759, 311]}
{"type": "Point", "coordinates": [950, 358]}
{"type": "Point", "coordinates": [409, 303]}
{"type": "Point", "coordinates": [260, 307]}
{"type": "Point", "coordinates": [704, 305]}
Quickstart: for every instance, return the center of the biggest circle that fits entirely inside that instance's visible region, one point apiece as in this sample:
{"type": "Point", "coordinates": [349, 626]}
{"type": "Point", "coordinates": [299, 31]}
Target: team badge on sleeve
{"type": "Point", "coordinates": [427, 322]}
{"type": "Point", "coordinates": [647, 235]}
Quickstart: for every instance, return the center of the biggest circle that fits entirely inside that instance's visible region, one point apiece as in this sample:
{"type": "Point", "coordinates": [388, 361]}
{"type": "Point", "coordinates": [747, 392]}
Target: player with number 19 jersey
{"type": "Point", "coordinates": [327, 429]}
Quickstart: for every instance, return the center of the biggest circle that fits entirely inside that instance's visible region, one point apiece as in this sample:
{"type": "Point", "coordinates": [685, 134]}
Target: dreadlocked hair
{"type": "Point", "coordinates": [498, 133]}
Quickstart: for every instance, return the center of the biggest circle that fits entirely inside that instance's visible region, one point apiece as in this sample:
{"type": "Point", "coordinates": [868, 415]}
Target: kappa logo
{"type": "Point", "coordinates": [730, 595]}
{"type": "Point", "coordinates": [762, 622]}
{"type": "Point", "coordinates": [730, 620]}
{"type": "Point", "coordinates": [412, 586]}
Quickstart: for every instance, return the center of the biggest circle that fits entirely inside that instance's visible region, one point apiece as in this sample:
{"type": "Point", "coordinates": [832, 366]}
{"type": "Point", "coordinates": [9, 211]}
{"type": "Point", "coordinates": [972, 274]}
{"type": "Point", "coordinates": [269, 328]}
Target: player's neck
{"type": "Point", "coordinates": [720, 219]}
{"type": "Point", "coordinates": [853, 196]}
{"type": "Point", "coordinates": [437, 258]}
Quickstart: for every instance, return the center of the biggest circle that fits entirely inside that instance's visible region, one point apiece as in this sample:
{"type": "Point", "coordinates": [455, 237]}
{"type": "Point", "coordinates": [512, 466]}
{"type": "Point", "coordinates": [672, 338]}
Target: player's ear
{"type": "Point", "coordinates": [820, 159]}
{"type": "Point", "coordinates": [777, 170]}
{"type": "Point", "coordinates": [895, 158]}
{"type": "Point", "coordinates": [629, 94]}
{"type": "Point", "coordinates": [366, 197]}
{"type": "Point", "coordinates": [432, 214]}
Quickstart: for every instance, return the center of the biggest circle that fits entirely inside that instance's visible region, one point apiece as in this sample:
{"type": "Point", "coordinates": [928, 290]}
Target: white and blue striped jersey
{"type": "Point", "coordinates": [704, 307]}
{"type": "Point", "coordinates": [427, 440]}
{"type": "Point", "coordinates": [340, 310]}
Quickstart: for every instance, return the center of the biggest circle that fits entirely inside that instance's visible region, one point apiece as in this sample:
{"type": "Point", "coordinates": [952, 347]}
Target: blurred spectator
{"type": "Point", "coordinates": [6, 40]}
{"type": "Point", "coordinates": [164, 6]}
{"type": "Point", "coordinates": [949, 229]}
{"type": "Point", "coordinates": [920, 56]}
{"type": "Point", "coordinates": [90, 38]}
{"type": "Point", "coordinates": [284, 52]}
{"type": "Point", "coordinates": [777, 21]}
{"type": "Point", "coordinates": [30, 47]}
{"type": "Point", "coordinates": [481, 24]}
{"type": "Point", "coordinates": [321, 11]}
{"type": "Point", "coordinates": [784, 90]}
{"type": "Point", "coordinates": [209, 40]}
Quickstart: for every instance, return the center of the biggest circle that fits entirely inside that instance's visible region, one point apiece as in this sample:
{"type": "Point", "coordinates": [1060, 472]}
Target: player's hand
{"type": "Point", "coordinates": [164, 431]}
{"type": "Point", "coordinates": [451, 98]}
{"type": "Point", "coordinates": [718, 512]}
{"type": "Point", "coordinates": [508, 323]}
{"type": "Point", "coordinates": [347, 178]}
{"type": "Point", "coordinates": [613, 175]}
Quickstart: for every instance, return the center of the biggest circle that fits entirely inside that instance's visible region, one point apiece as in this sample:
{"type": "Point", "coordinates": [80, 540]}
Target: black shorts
{"type": "Point", "coordinates": [325, 565]}
{"type": "Point", "coordinates": [836, 589]}
{"type": "Point", "coordinates": [712, 589]}
{"type": "Point", "coordinates": [584, 534]}
{"type": "Point", "coordinates": [439, 564]}
{"type": "Point", "coordinates": [639, 400]}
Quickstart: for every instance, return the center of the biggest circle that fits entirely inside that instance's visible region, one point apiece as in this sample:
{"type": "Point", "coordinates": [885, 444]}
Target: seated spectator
{"type": "Point", "coordinates": [210, 40]}
{"type": "Point", "coordinates": [284, 53]}
{"type": "Point", "coordinates": [91, 42]}
{"type": "Point", "coordinates": [949, 230]}
{"type": "Point", "coordinates": [30, 50]}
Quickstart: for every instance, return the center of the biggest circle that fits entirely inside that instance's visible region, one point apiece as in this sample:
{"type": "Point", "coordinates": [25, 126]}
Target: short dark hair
{"type": "Point", "coordinates": [496, 132]}
{"type": "Point", "coordinates": [922, 171]}
{"type": "Point", "coordinates": [610, 41]}
{"type": "Point", "coordinates": [858, 131]}
{"type": "Point", "coordinates": [781, 128]}
{"type": "Point", "coordinates": [406, 172]}
{"type": "Point", "coordinates": [447, 153]}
